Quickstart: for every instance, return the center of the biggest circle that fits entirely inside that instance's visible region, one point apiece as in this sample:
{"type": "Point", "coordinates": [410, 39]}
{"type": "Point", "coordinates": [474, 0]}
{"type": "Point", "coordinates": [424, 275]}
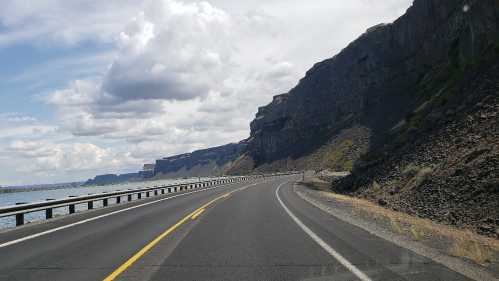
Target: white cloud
{"type": "Point", "coordinates": [46, 156]}
{"type": "Point", "coordinates": [66, 22]}
{"type": "Point", "coordinates": [16, 125]}
{"type": "Point", "coordinates": [172, 51]}
{"type": "Point", "coordinates": [182, 66]}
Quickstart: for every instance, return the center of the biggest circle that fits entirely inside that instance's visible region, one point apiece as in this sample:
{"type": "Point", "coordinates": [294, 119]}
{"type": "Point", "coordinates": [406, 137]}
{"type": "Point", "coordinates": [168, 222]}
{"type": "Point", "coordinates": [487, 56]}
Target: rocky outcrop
{"type": "Point", "coordinates": [445, 166]}
{"type": "Point", "coordinates": [207, 162]}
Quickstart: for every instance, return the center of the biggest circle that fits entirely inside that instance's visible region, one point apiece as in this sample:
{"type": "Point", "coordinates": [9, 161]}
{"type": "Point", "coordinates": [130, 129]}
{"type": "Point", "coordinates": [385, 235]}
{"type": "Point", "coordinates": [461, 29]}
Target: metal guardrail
{"type": "Point", "coordinates": [20, 209]}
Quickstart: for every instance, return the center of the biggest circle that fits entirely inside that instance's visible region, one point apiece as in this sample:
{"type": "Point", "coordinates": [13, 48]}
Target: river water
{"type": "Point", "coordinates": [8, 199]}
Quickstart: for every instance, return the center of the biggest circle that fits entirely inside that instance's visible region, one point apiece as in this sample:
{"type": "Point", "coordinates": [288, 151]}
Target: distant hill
{"type": "Point", "coordinates": [206, 162]}
{"type": "Point", "coordinates": [113, 179]}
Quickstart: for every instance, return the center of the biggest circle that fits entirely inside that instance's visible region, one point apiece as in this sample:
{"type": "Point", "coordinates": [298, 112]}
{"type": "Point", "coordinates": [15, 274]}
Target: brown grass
{"type": "Point", "coordinates": [337, 156]}
{"type": "Point", "coordinates": [416, 233]}
{"type": "Point", "coordinates": [396, 226]}
{"type": "Point", "coordinates": [464, 243]}
{"type": "Point", "coordinates": [467, 246]}
{"type": "Point", "coordinates": [417, 175]}
{"type": "Point", "coordinates": [315, 183]}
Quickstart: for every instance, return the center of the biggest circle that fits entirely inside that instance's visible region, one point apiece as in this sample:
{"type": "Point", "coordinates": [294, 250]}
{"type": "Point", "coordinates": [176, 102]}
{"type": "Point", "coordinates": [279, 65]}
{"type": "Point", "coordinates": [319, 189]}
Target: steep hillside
{"type": "Point", "coordinates": [417, 98]}
{"type": "Point", "coordinates": [206, 162]}
{"type": "Point", "coordinates": [443, 163]}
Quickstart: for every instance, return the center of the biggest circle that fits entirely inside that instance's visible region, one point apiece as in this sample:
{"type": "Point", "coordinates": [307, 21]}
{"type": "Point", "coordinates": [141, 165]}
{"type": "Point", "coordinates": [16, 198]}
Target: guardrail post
{"type": "Point", "coordinates": [72, 209]}
{"type": "Point", "coordinates": [155, 192]}
{"type": "Point", "coordinates": [90, 205]}
{"type": "Point", "coordinates": [19, 219]}
{"type": "Point", "coordinates": [162, 191]}
{"type": "Point", "coordinates": [105, 202]}
{"type": "Point", "coordinates": [48, 213]}
{"type": "Point", "coordinates": [139, 195]}
{"type": "Point", "coordinates": [118, 199]}
{"type": "Point", "coordinates": [129, 197]}
{"type": "Point", "coordinates": [147, 194]}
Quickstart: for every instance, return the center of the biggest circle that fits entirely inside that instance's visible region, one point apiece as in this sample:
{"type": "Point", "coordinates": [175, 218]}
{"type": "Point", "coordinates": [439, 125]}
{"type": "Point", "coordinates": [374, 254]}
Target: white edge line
{"type": "Point", "coordinates": [29, 237]}
{"type": "Point", "coordinates": [361, 275]}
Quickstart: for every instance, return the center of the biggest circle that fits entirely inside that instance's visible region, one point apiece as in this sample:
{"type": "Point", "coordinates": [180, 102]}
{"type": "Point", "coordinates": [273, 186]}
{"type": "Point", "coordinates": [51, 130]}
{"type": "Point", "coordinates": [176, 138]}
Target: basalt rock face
{"type": "Point", "coordinates": [443, 163]}
{"type": "Point", "coordinates": [421, 98]}
{"type": "Point", "coordinates": [374, 82]}
{"type": "Point", "coordinates": [206, 162]}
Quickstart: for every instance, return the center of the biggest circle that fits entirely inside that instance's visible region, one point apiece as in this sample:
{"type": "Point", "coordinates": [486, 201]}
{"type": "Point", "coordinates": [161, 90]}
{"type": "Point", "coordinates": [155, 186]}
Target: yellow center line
{"type": "Point", "coordinates": [156, 240]}
{"type": "Point", "coordinates": [197, 214]}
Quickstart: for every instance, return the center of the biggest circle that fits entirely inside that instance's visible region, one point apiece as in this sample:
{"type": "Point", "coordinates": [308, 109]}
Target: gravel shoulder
{"type": "Point", "coordinates": [469, 254]}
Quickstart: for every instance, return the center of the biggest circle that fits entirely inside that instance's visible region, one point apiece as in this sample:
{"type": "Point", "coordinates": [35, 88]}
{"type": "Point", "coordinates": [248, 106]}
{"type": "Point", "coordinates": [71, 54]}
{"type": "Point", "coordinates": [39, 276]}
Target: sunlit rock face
{"type": "Point", "coordinates": [374, 81]}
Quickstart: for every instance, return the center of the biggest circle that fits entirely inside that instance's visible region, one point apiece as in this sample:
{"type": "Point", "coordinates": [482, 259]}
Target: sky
{"type": "Point", "coordinates": [91, 87]}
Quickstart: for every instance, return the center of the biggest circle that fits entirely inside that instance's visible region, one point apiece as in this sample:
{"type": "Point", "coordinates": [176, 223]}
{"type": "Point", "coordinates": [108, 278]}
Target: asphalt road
{"type": "Point", "coordinates": [246, 231]}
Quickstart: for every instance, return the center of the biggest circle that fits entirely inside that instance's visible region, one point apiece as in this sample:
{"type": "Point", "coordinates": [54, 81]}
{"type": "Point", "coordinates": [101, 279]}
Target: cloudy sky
{"type": "Point", "coordinates": [90, 86]}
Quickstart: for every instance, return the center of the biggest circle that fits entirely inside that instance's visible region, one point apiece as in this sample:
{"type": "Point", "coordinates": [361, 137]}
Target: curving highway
{"type": "Point", "coordinates": [258, 230]}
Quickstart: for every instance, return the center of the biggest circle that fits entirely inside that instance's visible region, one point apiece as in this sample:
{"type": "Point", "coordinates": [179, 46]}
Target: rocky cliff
{"type": "Point", "coordinates": [410, 106]}
{"type": "Point", "coordinates": [207, 162]}
{"type": "Point", "coordinates": [377, 80]}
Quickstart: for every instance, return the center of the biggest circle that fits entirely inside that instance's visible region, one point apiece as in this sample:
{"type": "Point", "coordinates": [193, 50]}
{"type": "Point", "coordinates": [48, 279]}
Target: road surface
{"type": "Point", "coordinates": [257, 230]}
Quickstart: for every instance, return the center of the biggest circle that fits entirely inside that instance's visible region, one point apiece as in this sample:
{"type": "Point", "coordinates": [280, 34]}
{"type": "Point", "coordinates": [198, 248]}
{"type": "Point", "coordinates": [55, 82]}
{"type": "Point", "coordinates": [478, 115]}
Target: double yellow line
{"type": "Point", "coordinates": [156, 240]}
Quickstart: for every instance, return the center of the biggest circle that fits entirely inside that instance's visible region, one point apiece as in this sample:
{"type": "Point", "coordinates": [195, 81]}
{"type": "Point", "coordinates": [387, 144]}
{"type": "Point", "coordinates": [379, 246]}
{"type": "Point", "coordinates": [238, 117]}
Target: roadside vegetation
{"type": "Point", "coordinates": [449, 240]}
{"type": "Point", "coordinates": [460, 243]}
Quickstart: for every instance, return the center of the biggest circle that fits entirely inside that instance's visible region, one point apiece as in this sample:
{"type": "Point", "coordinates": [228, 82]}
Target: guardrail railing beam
{"type": "Point", "coordinates": [22, 208]}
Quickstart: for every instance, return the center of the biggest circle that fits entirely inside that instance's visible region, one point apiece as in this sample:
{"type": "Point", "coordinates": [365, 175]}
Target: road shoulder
{"type": "Point", "coordinates": [347, 211]}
